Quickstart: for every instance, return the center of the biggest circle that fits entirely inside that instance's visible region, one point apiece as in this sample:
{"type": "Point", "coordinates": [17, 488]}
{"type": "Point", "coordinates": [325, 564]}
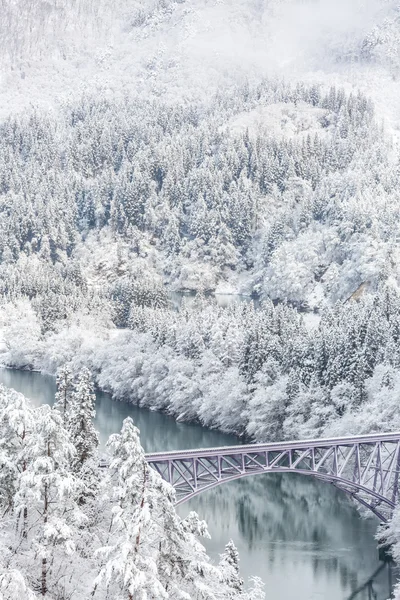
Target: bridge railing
{"type": "Point", "coordinates": [278, 446]}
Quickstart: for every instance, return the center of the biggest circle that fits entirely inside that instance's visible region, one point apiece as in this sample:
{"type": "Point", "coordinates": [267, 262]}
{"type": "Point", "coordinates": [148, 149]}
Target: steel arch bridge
{"type": "Point", "coordinates": [366, 467]}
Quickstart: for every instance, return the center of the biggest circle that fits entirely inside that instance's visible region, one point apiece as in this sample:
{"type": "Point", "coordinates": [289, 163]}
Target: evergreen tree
{"type": "Point", "coordinates": [49, 491]}
{"type": "Point", "coordinates": [229, 564]}
{"type": "Point", "coordinates": [64, 394]}
{"type": "Point", "coordinates": [150, 551]}
{"type": "Point", "coordinates": [16, 429]}
{"type": "Point", "coordinates": [129, 568]}
{"type": "Point", "coordinates": [80, 419]}
{"type": "Point", "coordinates": [13, 585]}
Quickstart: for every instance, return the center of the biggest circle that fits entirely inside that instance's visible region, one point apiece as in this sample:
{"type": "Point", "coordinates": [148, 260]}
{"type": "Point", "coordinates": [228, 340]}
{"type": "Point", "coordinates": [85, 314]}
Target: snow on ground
{"type": "Point", "coordinates": [227, 288]}
{"type": "Point", "coordinates": [3, 347]}
{"type": "Point", "coordinates": [311, 320]}
{"type": "Point", "coordinates": [282, 120]}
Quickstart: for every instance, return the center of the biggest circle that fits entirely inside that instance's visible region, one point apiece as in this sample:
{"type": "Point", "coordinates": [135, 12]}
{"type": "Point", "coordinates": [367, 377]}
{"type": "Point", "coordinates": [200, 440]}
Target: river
{"type": "Point", "coordinates": [303, 537]}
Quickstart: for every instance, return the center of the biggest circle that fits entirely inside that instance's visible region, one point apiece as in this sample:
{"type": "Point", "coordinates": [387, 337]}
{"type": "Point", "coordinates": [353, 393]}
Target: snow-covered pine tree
{"type": "Point", "coordinates": [63, 398]}
{"type": "Point", "coordinates": [80, 419]}
{"type": "Point", "coordinates": [16, 427]}
{"type": "Point", "coordinates": [229, 565]}
{"type": "Point", "coordinates": [13, 585]}
{"type": "Point", "coordinates": [150, 552]}
{"type": "Point", "coordinates": [256, 591]}
{"type": "Point", "coordinates": [128, 566]}
{"type": "Point", "coordinates": [49, 490]}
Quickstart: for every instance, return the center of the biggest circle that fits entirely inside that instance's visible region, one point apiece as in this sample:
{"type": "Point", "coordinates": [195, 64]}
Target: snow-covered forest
{"type": "Point", "coordinates": [71, 529]}
{"type": "Point", "coordinates": [107, 209]}
{"type": "Point", "coordinates": [158, 146]}
{"type": "Point", "coordinates": [198, 197]}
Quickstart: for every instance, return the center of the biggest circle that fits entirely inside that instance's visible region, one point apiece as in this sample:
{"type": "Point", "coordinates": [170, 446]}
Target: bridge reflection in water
{"type": "Point", "coordinates": [369, 590]}
{"type": "Point", "coordinates": [300, 535]}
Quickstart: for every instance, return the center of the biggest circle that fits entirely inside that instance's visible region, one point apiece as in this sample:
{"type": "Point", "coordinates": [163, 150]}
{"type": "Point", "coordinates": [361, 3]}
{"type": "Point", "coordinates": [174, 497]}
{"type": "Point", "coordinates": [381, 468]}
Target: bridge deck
{"type": "Point", "coordinates": [278, 446]}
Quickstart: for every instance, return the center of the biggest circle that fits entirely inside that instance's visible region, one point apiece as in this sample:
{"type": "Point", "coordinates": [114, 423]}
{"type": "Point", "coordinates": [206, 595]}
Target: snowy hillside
{"type": "Point", "coordinates": [155, 146]}
{"type": "Point", "coordinates": [208, 59]}
{"type": "Point", "coordinates": [53, 49]}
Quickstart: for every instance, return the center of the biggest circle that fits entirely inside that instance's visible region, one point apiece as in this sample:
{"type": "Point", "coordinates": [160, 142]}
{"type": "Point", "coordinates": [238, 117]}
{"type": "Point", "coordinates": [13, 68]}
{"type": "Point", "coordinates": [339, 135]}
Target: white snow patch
{"type": "Point", "coordinates": [3, 346]}
{"type": "Point", "coordinates": [226, 288]}
{"type": "Point", "coordinates": [283, 120]}
{"type": "Point", "coordinates": [311, 320]}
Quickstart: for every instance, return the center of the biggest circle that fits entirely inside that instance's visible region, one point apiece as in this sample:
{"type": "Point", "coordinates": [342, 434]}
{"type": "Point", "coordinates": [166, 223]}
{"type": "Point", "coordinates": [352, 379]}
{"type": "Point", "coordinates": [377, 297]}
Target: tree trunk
{"type": "Point", "coordinates": [25, 524]}
{"type": "Point", "coordinates": [44, 576]}
{"type": "Point", "coordinates": [25, 521]}
{"type": "Point", "coordinates": [65, 400]}
{"type": "Point", "coordinates": [137, 542]}
{"type": "Point", "coordinates": [44, 560]}
{"type": "Point", "coordinates": [45, 516]}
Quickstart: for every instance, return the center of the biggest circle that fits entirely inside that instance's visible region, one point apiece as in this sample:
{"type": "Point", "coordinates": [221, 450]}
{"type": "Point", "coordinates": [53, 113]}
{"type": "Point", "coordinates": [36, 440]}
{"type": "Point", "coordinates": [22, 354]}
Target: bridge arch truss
{"type": "Point", "coordinates": [365, 467]}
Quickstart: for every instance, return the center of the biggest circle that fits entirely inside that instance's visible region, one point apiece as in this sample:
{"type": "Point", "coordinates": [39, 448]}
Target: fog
{"type": "Point", "coordinates": [320, 32]}
{"type": "Point", "coordinates": [53, 50]}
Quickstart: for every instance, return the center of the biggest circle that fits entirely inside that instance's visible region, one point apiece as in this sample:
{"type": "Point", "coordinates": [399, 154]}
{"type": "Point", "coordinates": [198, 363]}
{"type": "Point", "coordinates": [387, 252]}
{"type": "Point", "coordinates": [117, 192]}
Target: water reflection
{"type": "Point", "coordinates": [368, 590]}
{"type": "Point", "coordinates": [302, 536]}
{"type": "Point", "coordinates": [158, 431]}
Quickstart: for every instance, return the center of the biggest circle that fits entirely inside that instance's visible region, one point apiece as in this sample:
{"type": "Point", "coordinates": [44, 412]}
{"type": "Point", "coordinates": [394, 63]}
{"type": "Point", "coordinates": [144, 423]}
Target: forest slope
{"type": "Point", "coordinates": [164, 174]}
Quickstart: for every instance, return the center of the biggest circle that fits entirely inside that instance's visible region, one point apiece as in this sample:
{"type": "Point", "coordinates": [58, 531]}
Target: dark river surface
{"type": "Point", "coordinates": [303, 537]}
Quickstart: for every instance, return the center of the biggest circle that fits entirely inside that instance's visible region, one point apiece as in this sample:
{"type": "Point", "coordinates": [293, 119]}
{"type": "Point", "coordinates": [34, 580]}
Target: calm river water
{"type": "Point", "coordinates": [302, 537]}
